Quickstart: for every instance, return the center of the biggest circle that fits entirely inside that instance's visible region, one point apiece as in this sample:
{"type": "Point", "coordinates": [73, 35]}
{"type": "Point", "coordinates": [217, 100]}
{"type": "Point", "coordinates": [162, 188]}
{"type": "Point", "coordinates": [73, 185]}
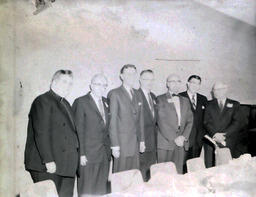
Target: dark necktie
{"type": "Point", "coordinates": [131, 93]}
{"type": "Point", "coordinates": [101, 109]}
{"type": "Point", "coordinates": [151, 104]}
{"type": "Point", "coordinates": [193, 100]}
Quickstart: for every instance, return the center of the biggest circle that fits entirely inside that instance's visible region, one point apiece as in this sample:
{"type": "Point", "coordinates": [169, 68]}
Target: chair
{"type": "Point", "coordinates": [195, 164]}
{"type": "Point", "coordinates": [122, 181]}
{"type": "Point", "coordinates": [167, 167]}
{"type": "Point", "coordinates": [40, 189]}
{"type": "Point", "coordinates": [222, 156]}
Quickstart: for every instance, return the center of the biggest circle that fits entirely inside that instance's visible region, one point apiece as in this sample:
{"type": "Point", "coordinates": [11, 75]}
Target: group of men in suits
{"type": "Point", "coordinates": [138, 128]}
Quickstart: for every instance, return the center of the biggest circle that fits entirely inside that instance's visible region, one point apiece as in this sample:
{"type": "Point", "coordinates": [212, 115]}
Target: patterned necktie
{"type": "Point", "coordinates": [101, 108]}
{"type": "Point", "coordinates": [151, 104]}
{"type": "Point", "coordinates": [193, 100]}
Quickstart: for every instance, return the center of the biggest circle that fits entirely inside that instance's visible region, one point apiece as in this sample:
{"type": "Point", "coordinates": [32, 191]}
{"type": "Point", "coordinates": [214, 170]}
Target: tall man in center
{"type": "Point", "coordinates": [175, 121]}
{"type": "Point", "coordinates": [126, 127]}
{"type": "Point", "coordinates": [149, 110]}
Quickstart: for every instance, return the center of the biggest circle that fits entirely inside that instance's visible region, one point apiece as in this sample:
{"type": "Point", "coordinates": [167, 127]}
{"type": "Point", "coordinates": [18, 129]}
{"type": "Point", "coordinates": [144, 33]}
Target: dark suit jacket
{"type": "Point", "coordinates": [92, 131]}
{"type": "Point", "coordinates": [126, 125]}
{"type": "Point", "coordinates": [149, 122]}
{"type": "Point", "coordinates": [167, 121]}
{"type": "Point", "coordinates": [198, 131]}
{"type": "Point", "coordinates": [51, 136]}
{"type": "Point", "coordinates": [226, 121]}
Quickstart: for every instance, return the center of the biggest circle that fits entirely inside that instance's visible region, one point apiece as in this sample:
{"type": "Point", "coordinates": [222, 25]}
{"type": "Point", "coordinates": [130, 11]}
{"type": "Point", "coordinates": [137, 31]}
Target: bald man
{"type": "Point", "coordinates": [91, 116]}
{"type": "Point", "coordinates": [175, 121]}
{"type": "Point", "coordinates": [221, 121]}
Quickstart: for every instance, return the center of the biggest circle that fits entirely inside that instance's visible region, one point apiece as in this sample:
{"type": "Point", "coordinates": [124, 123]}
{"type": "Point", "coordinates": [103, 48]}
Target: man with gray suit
{"type": "Point", "coordinates": [175, 121]}
{"type": "Point", "coordinates": [149, 110]}
{"type": "Point", "coordinates": [126, 127]}
{"type": "Point", "coordinates": [91, 116]}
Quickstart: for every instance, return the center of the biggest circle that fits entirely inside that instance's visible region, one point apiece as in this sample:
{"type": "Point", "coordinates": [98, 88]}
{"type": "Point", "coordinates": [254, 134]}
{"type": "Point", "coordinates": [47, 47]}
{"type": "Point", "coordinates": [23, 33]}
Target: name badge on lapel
{"type": "Point", "coordinates": [139, 103]}
{"type": "Point", "coordinates": [203, 107]}
{"type": "Point", "coordinates": [229, 105]}
{"type": "Point", "coordinates": [169, 100]}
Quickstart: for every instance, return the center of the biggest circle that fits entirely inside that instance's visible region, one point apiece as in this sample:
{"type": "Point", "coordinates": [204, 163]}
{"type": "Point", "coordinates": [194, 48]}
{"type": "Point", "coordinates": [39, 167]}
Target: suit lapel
{"type": "Point", "coordinates": [147, 104]}
{"type": "Point", "coordinates": [94, 105]}
{"type": "Point", "coordinates": [181, 110]}
{"type": "Point", "coordinates": [127, 98]}
{"type": "Point", "coordinates": [105, 111]}
{"type": "Point", "coordinates": [68, 112]}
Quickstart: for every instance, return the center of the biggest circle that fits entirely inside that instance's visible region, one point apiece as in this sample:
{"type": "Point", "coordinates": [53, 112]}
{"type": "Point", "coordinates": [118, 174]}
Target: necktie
{"type": "Point", "coordinates": [101, 108]}
{"type": "Point", "coordinates": [131, 93]}
{"type": "Point", "coordinates": [151, 104]}
{"type": "Point", "coordinates": [193, 100]}
{"type": "Point", "coordinates": [221, 105]}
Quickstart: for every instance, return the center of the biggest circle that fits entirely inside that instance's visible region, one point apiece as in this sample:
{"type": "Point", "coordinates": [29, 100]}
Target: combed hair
{"type": "Point", "coordinates": [127, 66]}
{"type": "Point", "coordinates": [146, 71]}
{"type": "Point", "coordinates": [58, 73]}
{"type": "Point", "coordinates": [194, 77]}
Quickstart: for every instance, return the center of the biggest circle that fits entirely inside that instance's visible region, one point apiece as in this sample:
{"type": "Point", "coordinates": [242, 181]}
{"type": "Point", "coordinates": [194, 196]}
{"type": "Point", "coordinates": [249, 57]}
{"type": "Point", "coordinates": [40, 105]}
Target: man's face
{"type": "Point", "coordinates": [64, 84]}
{"type": "Point", "coordinates": [220, 92]}
{"type": "Point", "coordinates": [147, 81]}
{"type": "Point", "coordinates": [173, 84]}
{"type": "Point", "coordinates": [194, 85]}
{"type": "Point", "coordinates": [129, 76]}
{"type": "Point", "coordinates": [99, 86]}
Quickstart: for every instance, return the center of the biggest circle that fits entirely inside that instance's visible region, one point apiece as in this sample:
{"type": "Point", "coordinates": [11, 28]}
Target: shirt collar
{"type": "Point", "coordinates": [128, 89]}
{"type": "Point", "coordinates": [58, 97]}
{"type": "Point", "coordinates": [95, 98]}
{"type": "Point", "coordinates": [190, 94]}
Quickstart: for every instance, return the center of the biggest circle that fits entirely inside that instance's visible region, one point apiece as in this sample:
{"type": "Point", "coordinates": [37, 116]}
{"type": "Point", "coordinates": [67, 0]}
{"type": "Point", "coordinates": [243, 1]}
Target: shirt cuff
{"type": "Point", "coordinates": [115, 147]}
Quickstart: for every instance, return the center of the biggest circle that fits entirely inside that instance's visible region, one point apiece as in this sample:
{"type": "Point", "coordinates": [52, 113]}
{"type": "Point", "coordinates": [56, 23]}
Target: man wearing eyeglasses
{"type": "Point", "coordinates": [92, 120]}
{"type": "Point", "coordinates": [126, 125]}
{"type": "Point", "coordinates": [222, 121]}
{"type": "Point", "coordinates": [198, 103]}
{"type": "Point", "coordinates": [52, 144]}
{"type": "Point", "coordinates": [149, 110]}
{"type": "Point", "coordinates": [175, 121]}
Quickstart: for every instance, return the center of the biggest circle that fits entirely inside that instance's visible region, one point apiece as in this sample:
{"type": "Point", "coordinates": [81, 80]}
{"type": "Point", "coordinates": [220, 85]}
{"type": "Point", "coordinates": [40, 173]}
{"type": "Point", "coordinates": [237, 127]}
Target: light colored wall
{"type": "Point", "coordinates": [89, 37]}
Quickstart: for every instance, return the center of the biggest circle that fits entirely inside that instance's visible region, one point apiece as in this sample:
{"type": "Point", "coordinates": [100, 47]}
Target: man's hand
{"type": "Point", "coordinates": [179, 141]}
{"type": "Point", "coordinates": [51, 167]}
{"type": "Point", "coordinates": [83, 160]}
{"type": "Point", "coordinates": [219, 137]}
{"type": "Point", "coordinates": [142, 147]}
{"type": "Point", "coordinates": [116, 152]}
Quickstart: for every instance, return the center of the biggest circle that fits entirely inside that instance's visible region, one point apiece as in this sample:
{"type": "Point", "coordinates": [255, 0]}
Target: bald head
{"type": "Point", "coordinates": [219, 90]}
{"type": "Point", "coordinates": [173, 83]}
{"type": "Point", "coordinates": [98, 85]}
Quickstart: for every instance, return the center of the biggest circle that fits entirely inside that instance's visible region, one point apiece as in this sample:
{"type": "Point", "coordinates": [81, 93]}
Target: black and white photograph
{"type": "Point", "coordinates": [127, 98]}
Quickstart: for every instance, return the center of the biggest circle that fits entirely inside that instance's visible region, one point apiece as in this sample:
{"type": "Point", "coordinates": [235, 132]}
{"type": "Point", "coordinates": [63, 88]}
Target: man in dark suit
{"type": "Point", "coordinates": [149, 111]}
{"type": "Point", "coordinates": [198, 103]}
{"type": "Point", "coordinates": [52, 144]}
{"type": "Point", "coordinates": [221, 121]}
{"type": "Point", "coordinates": [91, 116]}
{"type": "Point", "coordinates": [126, 125]}
{"type": "Point", "coordinates": [175, 121]}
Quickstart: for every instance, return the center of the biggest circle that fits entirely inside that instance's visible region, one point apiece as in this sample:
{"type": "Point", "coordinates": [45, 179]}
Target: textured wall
{"type": "Point", "coordinates": [90, 37]}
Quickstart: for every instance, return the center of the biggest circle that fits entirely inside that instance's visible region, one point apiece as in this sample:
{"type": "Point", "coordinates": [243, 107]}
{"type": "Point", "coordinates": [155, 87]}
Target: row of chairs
{"type": "Point", "coordinates": [127, 179]}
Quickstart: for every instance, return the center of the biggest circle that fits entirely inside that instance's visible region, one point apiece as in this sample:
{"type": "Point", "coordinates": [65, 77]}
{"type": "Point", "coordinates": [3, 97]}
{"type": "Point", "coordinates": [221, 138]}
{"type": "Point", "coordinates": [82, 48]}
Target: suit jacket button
{"type": "Point", "coordinates": [64, 124]}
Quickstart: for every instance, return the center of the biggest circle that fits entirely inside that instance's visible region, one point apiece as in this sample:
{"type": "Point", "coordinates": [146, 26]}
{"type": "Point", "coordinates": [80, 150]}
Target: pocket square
{"type": "Point", "coordinates": [139, 103]}
{"type": "Point", "coordinates": [203, 107]}
{"type": "Point", "coordinates": [106, 104]}
{"type": "Point", "coordinates": [229, 105]}
{"type": "Point", "coordinates": [154, 102]}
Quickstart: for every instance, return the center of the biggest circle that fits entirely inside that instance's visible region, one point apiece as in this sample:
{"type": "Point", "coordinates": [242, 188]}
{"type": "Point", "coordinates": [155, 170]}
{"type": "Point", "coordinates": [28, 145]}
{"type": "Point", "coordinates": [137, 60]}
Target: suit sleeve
{"type": "Point", "coordinates": [189, 122]}
{"type": "Point", "coordinates": [41, 120]}
{"type": "Point", "coordinates": [79, 120]}
{"type": "Point", "coordinates": [208, 122]}
{"type": "Point", "coordinates": [235, 123]}
{"type": "Point", "coordinates": [113, 127]}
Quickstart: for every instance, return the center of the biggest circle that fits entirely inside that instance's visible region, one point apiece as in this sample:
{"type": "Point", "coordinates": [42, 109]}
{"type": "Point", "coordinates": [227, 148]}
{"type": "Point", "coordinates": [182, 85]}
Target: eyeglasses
{"type": "Point", "coordinates": [100, 84]}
